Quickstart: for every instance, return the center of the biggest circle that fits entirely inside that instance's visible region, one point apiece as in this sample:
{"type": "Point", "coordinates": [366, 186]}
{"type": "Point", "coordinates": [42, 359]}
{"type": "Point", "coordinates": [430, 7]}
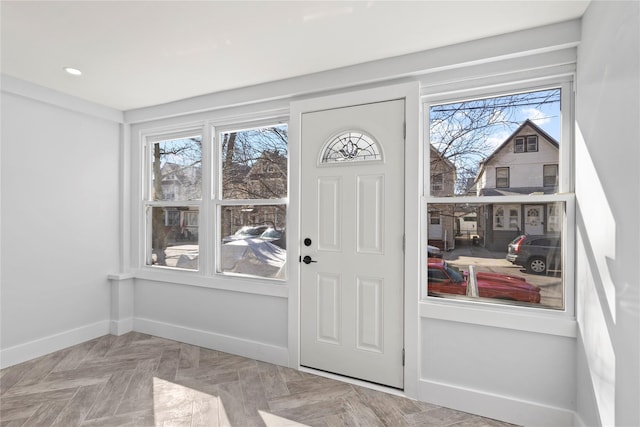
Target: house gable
{"type": "Point", "coordinates": [523, 167]}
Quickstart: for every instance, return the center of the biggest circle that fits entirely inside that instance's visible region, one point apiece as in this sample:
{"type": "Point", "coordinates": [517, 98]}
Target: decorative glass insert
{"type": "Point", "coordinates": [351, 146]}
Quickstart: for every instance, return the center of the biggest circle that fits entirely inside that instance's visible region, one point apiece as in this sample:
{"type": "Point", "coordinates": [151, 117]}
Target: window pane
{"type": "Point", "coordinates": [174, 237]}
{"type": "Point", "coordinates": [177, 169]}
{"type": "Point", "coordinates": [254, 240]}
{"type": "Point", "coordinates": [502, 177]}
{"type": "Point", "coordinates": [550, 175]}
{"type": "Point", "coordinates": [254, 163]}
{"type": "Point", "coordinates": [515, 250]}
{"type": "Point", "coordinates": [470, 140]}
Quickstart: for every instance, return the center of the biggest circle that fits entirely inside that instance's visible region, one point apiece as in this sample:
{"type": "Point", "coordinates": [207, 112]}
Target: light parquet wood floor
{"type": "Point", "coordinates": [141, 380]}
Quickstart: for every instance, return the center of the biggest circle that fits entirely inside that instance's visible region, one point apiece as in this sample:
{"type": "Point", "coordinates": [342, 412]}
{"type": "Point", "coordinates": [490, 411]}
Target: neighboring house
{"type": "Point", "coordinates": [526, 163]}
{"type": "Point", "coordinates": [441, 224]}
{"type": "Point", "coordinates": [265, 179]}
{"type": "Point", "coordinates": [180, 183]}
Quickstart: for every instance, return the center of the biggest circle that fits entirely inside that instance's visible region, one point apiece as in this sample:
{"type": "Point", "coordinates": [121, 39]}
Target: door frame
{"type": "Point", "coordinates": [541, 217]}
{"type": "Point", "coordinates": [410, 92]}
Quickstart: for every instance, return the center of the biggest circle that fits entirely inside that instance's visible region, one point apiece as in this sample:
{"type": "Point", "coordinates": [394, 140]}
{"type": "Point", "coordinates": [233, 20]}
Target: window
{"type": "Point", "coordinates": [525, 144]}
{"type": "Point", "coordinates": [550, 175]}
{"type": "Point", "coordinates": [506, 217]}
{"type": "Point", "coordinates": [217, 198]}
{"type": "Point", "coordinates": [174, 190]}
{"type": "Point", "coordinates": [253, 201]}
{"type": "Point", "coordinates": [437, 182]}
{"type": "Point", "coordinates": [483, 139]}
{"type": "Point", "coordinates": [502, 177]}
{"type": "Point", "coordinates": [434, 218]}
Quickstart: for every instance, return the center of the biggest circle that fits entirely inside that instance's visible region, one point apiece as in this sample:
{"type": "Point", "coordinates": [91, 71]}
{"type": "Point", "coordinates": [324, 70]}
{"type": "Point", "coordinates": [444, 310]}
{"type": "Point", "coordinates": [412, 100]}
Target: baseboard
{"type": "Point", "coordinates": [36, 348]}
{"type": "Point", "coordinates": [120, 327]}
{"type": "Point", "coordinates": [489, 405]}
{"type": "Point", "coordinates": [241, 347]}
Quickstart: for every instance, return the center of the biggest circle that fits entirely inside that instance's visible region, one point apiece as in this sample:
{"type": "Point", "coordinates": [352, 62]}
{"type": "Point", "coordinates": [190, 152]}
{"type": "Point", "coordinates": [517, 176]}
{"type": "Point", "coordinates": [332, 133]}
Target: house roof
{"type": "Point", "coordinates": [441, 157]}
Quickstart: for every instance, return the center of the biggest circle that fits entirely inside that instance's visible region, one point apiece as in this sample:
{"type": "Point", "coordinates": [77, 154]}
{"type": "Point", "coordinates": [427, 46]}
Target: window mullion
{"type": "Point", "coordinates": [206, 211]}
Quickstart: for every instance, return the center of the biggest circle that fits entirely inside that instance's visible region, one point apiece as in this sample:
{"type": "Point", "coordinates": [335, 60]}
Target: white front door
{"type": "Point", "coordinates": [533, 219]}
{"type": "Point", "coordinates": [352, 198]}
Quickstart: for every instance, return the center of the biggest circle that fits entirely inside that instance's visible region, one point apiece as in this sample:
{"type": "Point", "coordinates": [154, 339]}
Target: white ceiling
{"type": "Point", "coordinates": [140, 53]}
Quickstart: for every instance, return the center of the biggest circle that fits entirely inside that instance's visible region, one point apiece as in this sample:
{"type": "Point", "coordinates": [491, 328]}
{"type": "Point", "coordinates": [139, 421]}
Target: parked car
{"type": "Point", "coordinates": [277, 237]}
{"type": "Point", "coordinates": [445, 279]}
{"type": "Point", "coordinates": [246, 232]}
{"type": "Point", "coordinates": [434, 251]}
{"type": "Point", "coordinates": [538, 254]}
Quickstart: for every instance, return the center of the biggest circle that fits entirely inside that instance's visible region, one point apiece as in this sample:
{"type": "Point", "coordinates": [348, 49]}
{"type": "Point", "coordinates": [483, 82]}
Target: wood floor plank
{"type": "Point", "coordinates": [139, 392]}
{"type": "Point", "coordinates": [189, 356]}
{"type": "Point", "coordinates": [13, 374]}
{"type": "Point", "coordinates": [110, 396]}
{"type": "Point", "coordinates": [253, 393]}
{"type": "Point", "coordinates": [41, 367]}
{"type": "Point", "coordinates": [79, 406]}
{"type": "Point", "coordinates": [75, 356]}
{"type": "Point", "coordinates": [46, 413]}
{"type": "Point", "coordinates": [273, 383]}
{"type": "Point", "coordinates": [168, 365]}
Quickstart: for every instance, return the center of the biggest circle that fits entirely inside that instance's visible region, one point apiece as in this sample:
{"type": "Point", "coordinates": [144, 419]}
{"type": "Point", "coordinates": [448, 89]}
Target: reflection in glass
{"type": "Point", "coordinates": [254, 240]}
{"type": "Point", "coordinates": [254, 163]}
{"type": "Point", "coordinates": [496, 146]}
{"type": "Point", "coordinates": [177, 169]}
{"type": "Point", "coordinates": [174, 237]}
{"type": "Point", "coordinates": [515, 249]}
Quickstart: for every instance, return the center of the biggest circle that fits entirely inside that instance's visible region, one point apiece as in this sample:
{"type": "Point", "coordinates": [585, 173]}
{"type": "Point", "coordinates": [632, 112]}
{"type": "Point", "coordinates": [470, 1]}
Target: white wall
{"type": "Point", "coordinates": [59, 224]}
{"type": "Point", "coordinates": [241, 323]}
{"type": "Point", "coordinates": [607, 183]}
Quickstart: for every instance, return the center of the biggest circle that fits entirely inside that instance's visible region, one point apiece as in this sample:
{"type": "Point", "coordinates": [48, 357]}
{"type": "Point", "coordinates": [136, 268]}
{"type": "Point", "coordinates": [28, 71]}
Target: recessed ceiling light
{"type": "Point", "coordinates": [73, 71]}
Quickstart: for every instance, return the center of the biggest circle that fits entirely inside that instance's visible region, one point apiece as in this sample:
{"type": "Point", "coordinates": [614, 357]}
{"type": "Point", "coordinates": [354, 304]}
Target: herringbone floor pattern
{"type": "Point", "coordinates": [141, 380]}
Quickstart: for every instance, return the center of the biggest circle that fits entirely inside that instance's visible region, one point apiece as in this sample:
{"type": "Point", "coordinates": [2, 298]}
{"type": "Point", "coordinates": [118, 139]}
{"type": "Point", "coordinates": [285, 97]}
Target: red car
{"type": "Point", "coordinates": [443, 279]}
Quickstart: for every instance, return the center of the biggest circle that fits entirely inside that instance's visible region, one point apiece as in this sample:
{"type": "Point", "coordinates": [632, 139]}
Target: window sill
{"type": "Point", "coordinates": [530, 320]}
{"type": "Point", "coordinates": [247, 285]}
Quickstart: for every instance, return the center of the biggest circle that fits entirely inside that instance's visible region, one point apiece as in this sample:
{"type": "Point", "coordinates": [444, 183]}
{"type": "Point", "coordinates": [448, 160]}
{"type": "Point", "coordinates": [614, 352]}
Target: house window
{"type": "Point", "coordinates": [502, 177]}
{"type": "Point", "coordinates": [550, 175]}
{"type": "Point", "coordinates": [437, 181]}
{"type": "Point", "coordinates": [173, 185]}
{"type": "Point", "coordinates": [528, 144]}
{"type": "Point", "coordinates": [434, 218]}
{"type": "Point", "coordinates": [218, 203]}
{"type": "Point", "coordinates": [506, 217]}
{"type": "Point", "coordinates": [518, 145]}
{"type": "Point", "coordinates": [482, 138]}
{"type": "Point", "coordinates": [252, 201]}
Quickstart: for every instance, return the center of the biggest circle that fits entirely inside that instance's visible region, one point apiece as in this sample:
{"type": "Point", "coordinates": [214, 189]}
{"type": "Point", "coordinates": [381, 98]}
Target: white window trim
{"type": "Point", "coordinates": [206, 276]}
{"type": "Point", "coordinates": [485, 312]}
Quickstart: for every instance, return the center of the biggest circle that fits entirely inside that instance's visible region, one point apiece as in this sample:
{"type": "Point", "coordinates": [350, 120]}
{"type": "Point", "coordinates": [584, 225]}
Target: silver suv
{"type": "Point", "coordinates": [538, 254]}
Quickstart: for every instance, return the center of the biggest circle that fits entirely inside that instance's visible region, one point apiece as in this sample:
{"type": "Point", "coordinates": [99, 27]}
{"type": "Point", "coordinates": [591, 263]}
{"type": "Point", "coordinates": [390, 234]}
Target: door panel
{"type": "Point", "coordinates": [351, 296]}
